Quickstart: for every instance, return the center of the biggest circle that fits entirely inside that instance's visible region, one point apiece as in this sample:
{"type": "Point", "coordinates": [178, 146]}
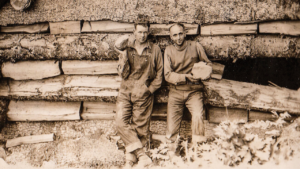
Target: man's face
{"type": "Point", "coordinates": [177, 34]}
{"type": "Point", "coordinates": [141, 33]}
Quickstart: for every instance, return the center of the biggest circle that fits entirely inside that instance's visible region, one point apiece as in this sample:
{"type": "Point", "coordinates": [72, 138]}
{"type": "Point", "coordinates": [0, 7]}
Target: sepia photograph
{"type": "Point", "coordinates": [149, 84]}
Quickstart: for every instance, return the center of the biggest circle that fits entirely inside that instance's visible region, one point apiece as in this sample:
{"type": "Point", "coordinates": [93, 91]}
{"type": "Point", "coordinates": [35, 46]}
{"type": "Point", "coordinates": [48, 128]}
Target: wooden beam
{"type": "Point", "coordinates": [20, 5]}
{"type": "Point", "coordinates": [244, 95]}
{"type": "Point", "coordinates": [34, 28]}
{"type": "Point", "coordinates": [46, 87]}
{"type": "Point", "coordinates": [219, 114]}
{"type": "Point", "coordinates": [217, 70]}
{"type": "Point", "coordinates": [30, 69]}
{"type": "Point", "coordinates": [107, 26]}
{"type": "Point", "coordinates": [43, 111]}
{"type": "Point", "coordinates": [281, 27]}
{"type": "Point", "coordinates": [163, 29]}
{"type": "Point", "coordinates": [65, 27]}
{"type": "Point", "coordinates": [229, 29]}
{"type": "Point", "coordinates": [259, 115]}
{"type": "Point", "coordinates": [29, 140]}
{"type": "Point", "coordinates": [89, 67]}
{"type": "Point", "coordinates": [92, 85]}
{"type": "Point", "coordinates": [107, 111]}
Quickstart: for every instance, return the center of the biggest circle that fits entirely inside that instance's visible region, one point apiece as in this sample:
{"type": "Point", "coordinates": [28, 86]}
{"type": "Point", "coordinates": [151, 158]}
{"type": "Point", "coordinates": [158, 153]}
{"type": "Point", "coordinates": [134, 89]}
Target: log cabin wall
{"type": "Point", "coordinates": [58, 67]}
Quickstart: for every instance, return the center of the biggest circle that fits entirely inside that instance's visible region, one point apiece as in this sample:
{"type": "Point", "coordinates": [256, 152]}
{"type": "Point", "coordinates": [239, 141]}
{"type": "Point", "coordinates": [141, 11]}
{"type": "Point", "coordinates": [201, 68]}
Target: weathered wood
{"type": "Point", "coordinates": [92, 85]}
{"type": "Point", "coordinates": [35, 28]}
{"type": "Point", "coordinates": [65, 27]}
{"type": "Point", "coordinates": [251, 96]}
{"type": "Point", "coordinates": [30, 69]}
{"type": "Point", "coordinates": [275, 46]}
{"type": "Point", "coordinates": [107, 111]}
{"type": "Point", "coordinates": [107, 26]}
{"type": "Point", "coordinates": [89, 67]}
{"type": "Point", "coordinates": [217, 70]}
{"type": "Point", "coordinates": [42, 88]}
{"type": "Point", "coordinates": [64, 46]}
{"type": "Point", "coordinates": [259, 115]}
{"type": "Point", "coordinates": [29, 140]}
{"type": "Point", "coordinates": [219, 114]}
{"type": "Point", "coordinates": [226, 46]}
{"type": "Point", "coordinates": [228, 29]}
{"type": "Point", "coordinates": [20, 5]}
{"type": "Point", "coordinates": [4, 87]}
{"type": "Point", "coordinates": [163, 29]}
{"type": "Point", "coordinates": [43, 111]}
{"type": "Point", "coordinates": [281, 27]}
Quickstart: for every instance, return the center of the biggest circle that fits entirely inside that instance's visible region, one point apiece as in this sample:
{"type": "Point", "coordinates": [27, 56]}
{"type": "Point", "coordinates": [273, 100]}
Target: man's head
{"type": "Point", "coordinates": [177, 33]}
{"type": "Point", "coordinates": [141, 31]}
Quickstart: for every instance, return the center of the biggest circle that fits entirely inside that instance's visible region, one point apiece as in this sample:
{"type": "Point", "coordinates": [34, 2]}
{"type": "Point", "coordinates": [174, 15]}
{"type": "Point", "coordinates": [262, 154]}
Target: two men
{"type": "Point", "coordinates": [179, 60]}
{"type": "Point", "coordinates": [141, 69]}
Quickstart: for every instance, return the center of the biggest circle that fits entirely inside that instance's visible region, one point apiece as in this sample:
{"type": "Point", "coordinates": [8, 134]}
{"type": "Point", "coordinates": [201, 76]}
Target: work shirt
{"type": "Point", "coordinates": [146, 68]}
{"type": "Point", "coordinates": [180, 61]}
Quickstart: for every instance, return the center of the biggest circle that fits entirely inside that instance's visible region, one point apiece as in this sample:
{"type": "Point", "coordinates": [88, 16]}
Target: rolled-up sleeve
{"type": "Point", "coordinates": [171, 76]}
{"type": "Point", "coordinates": [156, 82]}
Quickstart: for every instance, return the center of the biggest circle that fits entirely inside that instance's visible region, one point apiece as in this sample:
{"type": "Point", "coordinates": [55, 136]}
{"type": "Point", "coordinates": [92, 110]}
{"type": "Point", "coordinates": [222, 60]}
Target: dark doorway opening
{"type": "Point", "coordinates": [284, 72]}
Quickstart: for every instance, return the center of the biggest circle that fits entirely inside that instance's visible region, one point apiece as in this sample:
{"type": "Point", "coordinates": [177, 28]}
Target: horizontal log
{"type": "Point", "coordinates": [41, 88]}
{"type": "Point", "coordinates": [281, 27]}
{"type": "Point", "coordinates": [15, 47]}
{"type": "Point", "coordinates": [107, 111]}
{"type": "Point", "coordinates": [209, 11]}
{"type": "Point", "coordinates": [91, 86]}
{"type": "Point", "coordinates": [226, 46]}
{"type": "Point", "coordinates": [228, 29]}
{"type": "Point", "coordinates": [34, 28]}
{"type": "Point", "coordinates": [30, 69]}
{"type": "Point", "coordinates": [259, 115]}
{"type": "Point", "coordinates": [275, 46]}
{"type": "Point", "coordinates": [251, 96]}
{"type": "Point", "coordinates": [107, 26]}
{"type": "Point", "coordinates": [219, 114]}
{"type": "Point", "coordinates": [29, 140]}
{"type": "Point", "coordinates": [65, 27]}
{"type": "Point", "coordinates": [43, 111]}
{"type": "Point", "coordinates": [163, 29]}
{"type": "Point", "coordinates": [89, 67]}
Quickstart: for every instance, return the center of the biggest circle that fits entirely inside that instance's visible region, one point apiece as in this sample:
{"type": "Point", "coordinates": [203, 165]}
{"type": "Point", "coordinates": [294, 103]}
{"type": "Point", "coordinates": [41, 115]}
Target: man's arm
{"type": "Point", "coordinates": [156, 83]}
{"type": "Point", "coordinates": [202, 55]}
{"type": "Point", "coordinates": [171, 76]}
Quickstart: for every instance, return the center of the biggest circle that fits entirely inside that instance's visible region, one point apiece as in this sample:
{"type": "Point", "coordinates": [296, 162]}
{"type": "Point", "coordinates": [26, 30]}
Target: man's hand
{"type": "Point", "coordinates": [191, 78]}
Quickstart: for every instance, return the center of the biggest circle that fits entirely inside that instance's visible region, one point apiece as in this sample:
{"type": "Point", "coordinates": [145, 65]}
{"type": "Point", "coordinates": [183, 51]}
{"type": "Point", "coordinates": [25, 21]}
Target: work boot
{"type": "Point", "coordinates": [143, 159]}
{"type": "Point", "coordinates": [130, 160]}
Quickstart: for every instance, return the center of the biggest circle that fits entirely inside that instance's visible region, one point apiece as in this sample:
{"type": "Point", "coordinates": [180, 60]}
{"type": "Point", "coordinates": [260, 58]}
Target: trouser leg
{"type": "Point", "coordinates": [195, 105]}
{"type": "Point", "coordinates": [124, 127]}
{"type": "Point", "coordinates": [142, 110]}
{"type": "Point", "coordinates": [174, 113]}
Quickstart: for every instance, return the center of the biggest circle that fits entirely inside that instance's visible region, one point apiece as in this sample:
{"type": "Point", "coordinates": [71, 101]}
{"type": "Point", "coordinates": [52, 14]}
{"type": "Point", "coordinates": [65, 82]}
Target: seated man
{"type": "Point", "coordinates": [179, 59]}
{"type": "Point", "coordinates": [141, 67]}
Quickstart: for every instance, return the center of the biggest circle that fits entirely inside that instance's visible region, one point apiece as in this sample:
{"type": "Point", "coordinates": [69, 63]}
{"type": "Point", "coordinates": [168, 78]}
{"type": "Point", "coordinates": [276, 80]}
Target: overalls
{"type": "Point", "coordinates": [135, 101]}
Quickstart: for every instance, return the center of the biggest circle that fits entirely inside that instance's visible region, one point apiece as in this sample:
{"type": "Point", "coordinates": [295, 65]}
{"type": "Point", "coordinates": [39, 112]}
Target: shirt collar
{"type": "Point", "coordinates": [131, 44]}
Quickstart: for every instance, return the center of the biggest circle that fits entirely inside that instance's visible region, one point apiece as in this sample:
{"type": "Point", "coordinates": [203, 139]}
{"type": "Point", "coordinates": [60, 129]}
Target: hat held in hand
{"type": "Point", "coordinates": [201, 71]}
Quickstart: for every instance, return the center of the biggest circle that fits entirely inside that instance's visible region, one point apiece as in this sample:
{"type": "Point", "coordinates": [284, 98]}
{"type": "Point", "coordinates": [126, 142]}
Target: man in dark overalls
{"type": "Point", "coordinates": [141, 69]}
{"type": "Point", "coordinates": [179, 59]}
